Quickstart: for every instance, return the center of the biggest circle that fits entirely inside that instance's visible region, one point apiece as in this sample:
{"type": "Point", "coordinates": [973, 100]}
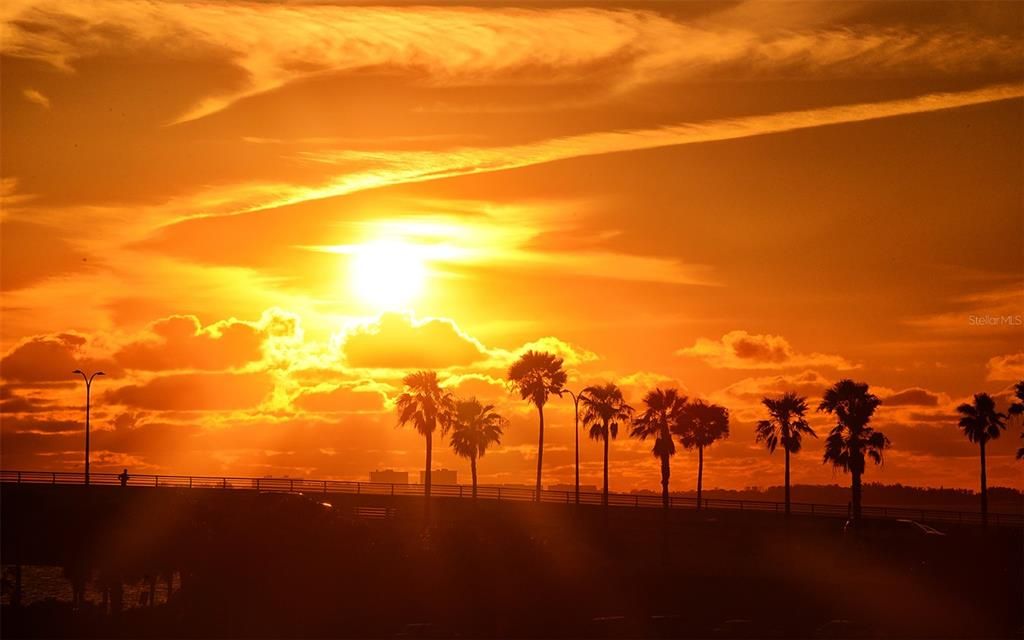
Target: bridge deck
{"type": "Point", "coordinates": [515, 494]}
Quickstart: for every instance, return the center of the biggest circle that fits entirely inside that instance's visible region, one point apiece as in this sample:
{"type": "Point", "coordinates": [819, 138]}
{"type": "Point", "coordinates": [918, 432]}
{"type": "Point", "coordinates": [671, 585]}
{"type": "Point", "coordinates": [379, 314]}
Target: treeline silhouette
{"type": "Point", "coordinates": [668, 417]}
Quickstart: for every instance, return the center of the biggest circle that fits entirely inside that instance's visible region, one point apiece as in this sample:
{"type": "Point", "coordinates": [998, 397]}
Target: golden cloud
{"type": "Point", "coordinates": [399, 341]}
{"type": "Point", "coordinates": [741, 350]}
{"type": "Point", "coordinates": [276, 44]}
{"type": "Point", "coordinates": [52, 358]}
{"type": "Point", "coordinates": [344, 398]}
{"type": "Point", "coordinates": [196, 392]}
{"type": "Point", "coordinates": [181, 342]}
{"type": "Point", "coordinates": [913, 397]}
{"type": "Point", "coordinates": [1006, 367]}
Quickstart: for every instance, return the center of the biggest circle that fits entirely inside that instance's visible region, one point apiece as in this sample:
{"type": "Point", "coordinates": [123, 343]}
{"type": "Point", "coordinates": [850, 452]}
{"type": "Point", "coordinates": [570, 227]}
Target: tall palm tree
{"type": "Point", "coordinates": [660, 420]}
{"type": "Point", "coordinates": [604, 409]}
{"type": "Point", "coordinates": [426, 406]}
{"type": "Point", "coordinates": [537, 375]}
{"type": "Point", "coordinates": [700, 425]}
{"type": "Point", "coordinates": [852, 441]}
{"type": "Point", "coordinates": [981, 422]}
{"type": "Point", "coordinates": [1017, 409]}
{"type": "Point", "coordinates": [475, 426]}
{"type": "Point", "coordinates": [786, 426]}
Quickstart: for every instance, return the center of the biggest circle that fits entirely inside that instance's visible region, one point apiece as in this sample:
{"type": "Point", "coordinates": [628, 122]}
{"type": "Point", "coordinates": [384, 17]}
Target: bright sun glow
{"type": "Point", "coordinates": [388, 274]}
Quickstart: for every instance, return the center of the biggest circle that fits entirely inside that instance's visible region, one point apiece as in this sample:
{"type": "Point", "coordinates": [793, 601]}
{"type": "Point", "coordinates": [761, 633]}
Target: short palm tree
{"type": "Point", "coordinates": [659, 421]}
{"type": "Point", "coordinates": [536, 375]}
{"type": "Point", "coordinates": [475, 427]}
{"type": "Point", "coordinates": [700, 425]}
{"type": "Point", "coordinates": [786, 426]}
{"type": "Point", "coordinates": [426, 406]}
{"type": "Point", "coordinates": [980, 423]}
{"type": "Point", "coordinates": [851, 442]}
{"type": "Point", "coordinates": [604, 409]}
{"type": "Point", "coordinates": [1017, 409]}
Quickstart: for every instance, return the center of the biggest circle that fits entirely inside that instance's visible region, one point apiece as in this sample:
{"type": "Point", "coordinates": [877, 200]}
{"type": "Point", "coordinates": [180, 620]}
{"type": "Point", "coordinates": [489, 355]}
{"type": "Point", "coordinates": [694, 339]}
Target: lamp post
{"type": "Point", "coordinates": [576, 407]}
{"type": "Point", "coordinates": [88, 389]}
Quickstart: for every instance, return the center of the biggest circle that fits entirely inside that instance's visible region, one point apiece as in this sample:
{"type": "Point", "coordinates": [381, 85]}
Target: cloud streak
{"type": "Point", "coordinates": [276, 44]}
{"type": "Point", "coordinates": [397, 167]}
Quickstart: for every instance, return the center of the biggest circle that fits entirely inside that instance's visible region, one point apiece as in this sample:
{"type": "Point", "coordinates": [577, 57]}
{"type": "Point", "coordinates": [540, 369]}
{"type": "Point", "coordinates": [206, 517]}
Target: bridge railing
{"type": "Point", "coordinates": [516, 494]}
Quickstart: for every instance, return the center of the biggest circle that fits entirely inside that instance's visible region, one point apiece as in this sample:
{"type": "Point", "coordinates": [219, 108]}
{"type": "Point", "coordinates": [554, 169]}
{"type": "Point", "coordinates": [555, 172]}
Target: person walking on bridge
{"type": "Point", "coordinates": [123, 477]}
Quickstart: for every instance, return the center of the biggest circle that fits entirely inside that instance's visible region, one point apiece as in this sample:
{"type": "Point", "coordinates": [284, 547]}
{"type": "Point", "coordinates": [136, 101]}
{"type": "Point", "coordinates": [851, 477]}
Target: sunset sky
{"type": "Point", "coordinates": [256, 218]}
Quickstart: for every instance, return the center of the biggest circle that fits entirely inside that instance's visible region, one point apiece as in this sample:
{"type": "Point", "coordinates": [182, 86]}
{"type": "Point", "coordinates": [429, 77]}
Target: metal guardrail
{"type": "Point", "coordinates": [515, 494]}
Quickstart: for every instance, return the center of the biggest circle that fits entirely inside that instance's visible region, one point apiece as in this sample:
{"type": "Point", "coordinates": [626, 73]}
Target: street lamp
{"type": "Point", "coordinates": [88, 388]}
{"type": "Point", "coordinates": [576, 406]}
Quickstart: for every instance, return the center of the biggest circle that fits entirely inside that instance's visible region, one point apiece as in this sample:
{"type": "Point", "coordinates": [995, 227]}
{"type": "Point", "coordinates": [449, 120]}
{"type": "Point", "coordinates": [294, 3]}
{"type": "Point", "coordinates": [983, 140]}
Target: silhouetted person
{"type": "Point", "coordinates": [123, 477]}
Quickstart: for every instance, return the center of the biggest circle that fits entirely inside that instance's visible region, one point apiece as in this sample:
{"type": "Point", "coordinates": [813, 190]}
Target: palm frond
{"type": "Point", "coordinates": [701, 424]}
{"type": "Point", "coordinates": [536, 375]}
{"type": "Point", "coordinates": [979, 419]}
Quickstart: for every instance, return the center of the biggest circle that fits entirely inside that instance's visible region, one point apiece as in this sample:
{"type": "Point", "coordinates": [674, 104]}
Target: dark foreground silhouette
{"type": "Point", "coordinates": [282, 565]}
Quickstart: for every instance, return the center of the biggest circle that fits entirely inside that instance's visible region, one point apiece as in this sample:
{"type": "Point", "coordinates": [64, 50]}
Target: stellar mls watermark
{"type": "Point", "coordinates": [987, 320]}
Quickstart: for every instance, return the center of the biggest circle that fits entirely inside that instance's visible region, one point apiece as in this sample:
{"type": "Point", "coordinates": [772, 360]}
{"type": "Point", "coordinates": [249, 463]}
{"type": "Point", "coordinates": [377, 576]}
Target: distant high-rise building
{"type": "Point", "coordinates": [441, 476]}
{"type": "Point", "coordinates": [389, 476]}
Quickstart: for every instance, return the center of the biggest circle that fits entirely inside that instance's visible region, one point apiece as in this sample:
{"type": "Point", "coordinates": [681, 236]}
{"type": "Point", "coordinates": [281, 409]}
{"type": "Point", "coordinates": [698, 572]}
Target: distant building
{"type": "Point", "coordinates": [584, 488]}
{"type": "Point", "coordinates": [389, 476]}
{"type": "Point", "coordinates": [441, 476]}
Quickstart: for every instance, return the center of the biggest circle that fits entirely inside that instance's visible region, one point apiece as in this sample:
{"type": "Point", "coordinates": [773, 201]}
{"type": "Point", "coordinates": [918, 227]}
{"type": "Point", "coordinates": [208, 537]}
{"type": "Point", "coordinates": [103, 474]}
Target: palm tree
{"type": "Point", "coordinates": [475, 426]}
{"type": "Point", "coordinates": [426, 405]}
{"type": "Point", "coordinates": [1016, 409]}
{"type": "Point", "coordinates": [604, 409]}
{"type": "Point", "coordinates": [700, 425]}
{"type": "Point", "coordinates": [537, 375]}
{"type": "Point", "coordinates": [659, 421]}
{"type": "Point", "coordinates": [851, 441]}
{"type": "Point", "coordinates": [981, 422]}
{"type": "Point", "coordinates": [786, 426]}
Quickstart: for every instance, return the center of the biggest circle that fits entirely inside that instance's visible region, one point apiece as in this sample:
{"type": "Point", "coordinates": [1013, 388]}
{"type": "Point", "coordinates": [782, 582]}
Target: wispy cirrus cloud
{"type": "Point", "coordinates": [403, 167]}
{"type": "Point", "coordinates": [277, 44]}
{"type": "Point", "coordinates": [35, 97]}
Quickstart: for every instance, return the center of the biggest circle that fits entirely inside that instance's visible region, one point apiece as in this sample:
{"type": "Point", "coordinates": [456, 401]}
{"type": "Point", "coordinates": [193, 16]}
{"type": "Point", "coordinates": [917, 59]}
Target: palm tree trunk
{"type": "Point", "coordinates": [472, 469]}
{"type": "Point", "coordinates": [984, 488]}
{"type": "Point", "coordinates": [700, 473]}
{"type": "Point", "coordinates": [855, 489]}
{"type": "Point", "coordinates": [787, 482]}
{"type": "Point", "coordinates": [426, 470]}
{"type": "Point", "coordinates": [604, 496]}
{"type": "Point", "coordinates": [540, 450]}
{"type": "Point", "coordinates": [664, 480]}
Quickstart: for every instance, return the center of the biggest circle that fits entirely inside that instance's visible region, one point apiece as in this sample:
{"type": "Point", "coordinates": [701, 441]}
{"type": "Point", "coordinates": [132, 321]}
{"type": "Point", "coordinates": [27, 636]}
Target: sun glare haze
{"type": "Point", "coordinates": [388, 275]}
{"type": "Point", "coordinates": [695, 257]}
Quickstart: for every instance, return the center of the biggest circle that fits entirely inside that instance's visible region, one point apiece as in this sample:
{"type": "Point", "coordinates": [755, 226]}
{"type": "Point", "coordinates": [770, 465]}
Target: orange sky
{"type": "Point", "coordinates": [256, 218]}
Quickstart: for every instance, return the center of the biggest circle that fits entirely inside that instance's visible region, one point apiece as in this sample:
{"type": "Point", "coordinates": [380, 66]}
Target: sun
{"type": "Point", "coordinates": [388, 274]}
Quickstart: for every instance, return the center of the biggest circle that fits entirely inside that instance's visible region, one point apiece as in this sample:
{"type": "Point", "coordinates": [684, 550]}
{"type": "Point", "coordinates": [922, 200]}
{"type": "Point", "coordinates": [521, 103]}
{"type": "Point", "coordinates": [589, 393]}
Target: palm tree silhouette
{"type": "Point", "coordinates": [475, 426]}
{"type": "Point", "coordinates": [1016, 409]}
{"type": "Point", "coordinates": [537, 375]}
{"type": "Point", "coordinates": [700, 425]}
{"type": "Point", "coordinates": [604, 409]}
{"type": "Point", "coordinates": [786, 426]}
{"type": "Point", "coordinates": [980, 423]}
{"type": "Point", "coordinates": [851, 441]}
{"type": "Point", "coordinates": [660, 420]}
{"type": "Point", "coordinates": [426, 405]}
